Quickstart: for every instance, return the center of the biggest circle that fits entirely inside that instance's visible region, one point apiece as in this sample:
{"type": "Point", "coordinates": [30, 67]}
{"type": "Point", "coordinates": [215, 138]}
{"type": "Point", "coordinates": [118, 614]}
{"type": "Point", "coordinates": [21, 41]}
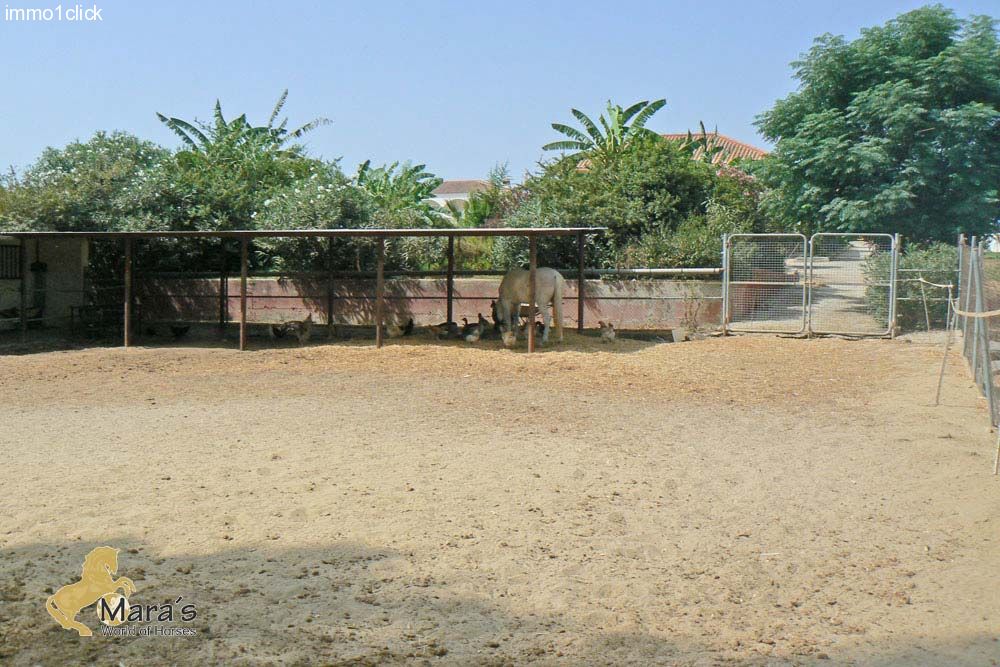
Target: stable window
{"type": "Point", "coordinates": [10, 262]}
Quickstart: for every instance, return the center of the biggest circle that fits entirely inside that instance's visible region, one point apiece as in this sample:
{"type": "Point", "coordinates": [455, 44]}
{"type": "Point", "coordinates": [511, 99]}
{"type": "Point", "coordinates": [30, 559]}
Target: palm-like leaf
{"type": "Point", "coordinates": [614, 132]}
{"type": "Point", "coordinates": [589, 125]}
{"type": "Point", "coordinates": [706, 146]}
{"type": "Point", "coordinates": [571, 132]}
{"type": "Point", "coordinates": [647, 112]}
{"type": "Point", "coordinates": [633, 110]}
{"type": "Point", "coordinates": [239, 133]}
{"type": "Point", "coordinates": [220, 121]}
{"type": "Point", "coordinates": [187, 132]}
{"type": "Point", "coordinates": [567, 146]}
{"type": "Point", "coordinates": [277, 108]}
{"type": "Point", "coordinates": [309, 127]}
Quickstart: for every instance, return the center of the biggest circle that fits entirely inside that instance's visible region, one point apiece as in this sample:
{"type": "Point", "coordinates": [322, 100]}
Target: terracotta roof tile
{"type": "Point", "coordinates": [732, 149]}
{"type": "Point", "coordinates": [459, 187]}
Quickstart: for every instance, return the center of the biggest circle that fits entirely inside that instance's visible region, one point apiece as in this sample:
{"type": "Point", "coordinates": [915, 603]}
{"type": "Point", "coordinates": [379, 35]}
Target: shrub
{"type": "Point", "coordinates": [660, 207]}
{"type": "Point", "coordinates": [84, 186]}
{"type": "Point", "coordinates": [937, 263]}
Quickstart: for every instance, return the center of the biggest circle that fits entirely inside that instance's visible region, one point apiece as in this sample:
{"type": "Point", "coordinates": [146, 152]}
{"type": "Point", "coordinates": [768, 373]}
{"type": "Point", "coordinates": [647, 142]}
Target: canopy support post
{"type": "Point", "coordinates": [128, 295]}
{"type": "Point", "coordinates": [532, 270]}
{"type": "Point", "coordinates": [244, 252]}
{"type": "Point", "coordinates": [379, 292]}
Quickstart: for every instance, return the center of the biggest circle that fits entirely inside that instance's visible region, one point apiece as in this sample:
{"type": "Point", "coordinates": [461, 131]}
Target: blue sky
{"type": "Point", "coordinates": [459, 86]}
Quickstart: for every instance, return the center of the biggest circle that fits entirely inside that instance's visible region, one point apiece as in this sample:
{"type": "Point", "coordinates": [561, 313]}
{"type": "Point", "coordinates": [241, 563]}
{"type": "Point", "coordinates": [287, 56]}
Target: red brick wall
{"type": "Point", "coordinates": [628, 303]}
{"type": "Point", "coordinates": [745, 299]}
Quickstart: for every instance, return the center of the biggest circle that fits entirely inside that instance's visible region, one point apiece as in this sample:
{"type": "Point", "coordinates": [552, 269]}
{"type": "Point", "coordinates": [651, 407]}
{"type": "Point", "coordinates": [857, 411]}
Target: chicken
{"type": "Point", "coordinates": [445, 330]}
{"type": "Point", "coordinates": [303, 329]}
{"type": "Point", "coordinates": [396, 331]}
{"type": "Point", "coordinates": [179, 330]}
{"type": "Point", "coordinates": [496, 319]}
{"type": "Point", "coordinates": [607, 331]}
{"type": "Point", "coordinates": [539, 328]}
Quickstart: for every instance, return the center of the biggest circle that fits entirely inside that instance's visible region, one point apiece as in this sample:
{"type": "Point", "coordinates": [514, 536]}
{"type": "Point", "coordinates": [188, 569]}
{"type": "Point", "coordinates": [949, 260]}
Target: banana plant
{"type": "Point", "coordinates": [471, 213]}
{"type": "Point", "coordinates": [704, 146]}
{"type": "Point", "coordinates": [399, 189]}
{"type": "Point", "coordinates": [610, 135]}
{"type": "Point", "coordinates": [207, 138]}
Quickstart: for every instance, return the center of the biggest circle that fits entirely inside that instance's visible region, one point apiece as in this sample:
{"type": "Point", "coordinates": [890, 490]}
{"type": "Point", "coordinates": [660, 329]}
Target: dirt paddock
{"type": "Point", "coordinates": [727, 501]}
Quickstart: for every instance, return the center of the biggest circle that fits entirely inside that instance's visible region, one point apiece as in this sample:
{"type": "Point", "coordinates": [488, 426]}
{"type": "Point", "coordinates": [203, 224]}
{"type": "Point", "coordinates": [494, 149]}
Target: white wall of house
{"type": "Point", "coordinates": [66, 262]}
{"type": "Point", "coordinates": [443, 199]}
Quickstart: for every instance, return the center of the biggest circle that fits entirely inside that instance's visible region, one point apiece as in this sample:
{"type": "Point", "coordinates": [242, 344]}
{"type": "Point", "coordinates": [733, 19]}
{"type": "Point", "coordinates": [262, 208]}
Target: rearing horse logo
{"type": "Point", "coordinates": [97, 582]}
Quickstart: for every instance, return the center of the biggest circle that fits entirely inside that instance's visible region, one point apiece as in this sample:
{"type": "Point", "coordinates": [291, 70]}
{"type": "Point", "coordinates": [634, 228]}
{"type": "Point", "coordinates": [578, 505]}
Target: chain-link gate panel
{"type": "Point", "coordinates": [765, 288]}
{"type": "Point", "coordinates": [851, 283]}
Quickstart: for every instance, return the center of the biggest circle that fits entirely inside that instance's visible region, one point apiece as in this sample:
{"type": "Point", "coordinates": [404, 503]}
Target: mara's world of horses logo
{"type": "Point", "coordinates": [98, 587]}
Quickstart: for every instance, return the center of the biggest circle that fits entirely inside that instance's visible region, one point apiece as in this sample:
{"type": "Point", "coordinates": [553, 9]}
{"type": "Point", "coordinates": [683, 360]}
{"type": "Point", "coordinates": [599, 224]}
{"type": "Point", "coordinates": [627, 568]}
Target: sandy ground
{"type": "Point", "coordinates": [728, 501]}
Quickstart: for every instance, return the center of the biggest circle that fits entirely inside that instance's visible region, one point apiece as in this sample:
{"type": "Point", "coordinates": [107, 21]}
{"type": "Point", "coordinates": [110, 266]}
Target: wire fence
{"type": "Point", "coordinates": [975, 311]}
{"type": "Point", "coordinates": [980, 339]}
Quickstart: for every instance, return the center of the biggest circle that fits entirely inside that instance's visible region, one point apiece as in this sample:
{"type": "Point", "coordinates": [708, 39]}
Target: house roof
{"type": "Point", "coordinates": [460, 187]}
{"type": "Point", "coordinates": [732, 149]}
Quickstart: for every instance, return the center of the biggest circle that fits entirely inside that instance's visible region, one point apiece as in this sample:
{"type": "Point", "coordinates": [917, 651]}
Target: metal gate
{"type": "Point", "coordinates": [830, 284]}
{"type": "Point", "coordinates": [852, 281]}
{"type": "Point", "coordinates": [765, 283]}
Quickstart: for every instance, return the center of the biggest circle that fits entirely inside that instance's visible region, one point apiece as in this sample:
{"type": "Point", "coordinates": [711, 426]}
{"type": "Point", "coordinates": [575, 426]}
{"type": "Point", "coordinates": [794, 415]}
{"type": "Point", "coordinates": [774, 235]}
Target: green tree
{"type": "Point", "coordinates": [325, 200]}
{"type": "Point", "coordinates": [85, 186]}
{"type": "Point", "coordinates": [652, 184]}
{"type": "Point", "coordinates": [661, 208]}
{"type": "Point", "coordinates": [614, 134]}
{"type": "Point", "coordinates": [221, 135]}
{"type": "Point", "coordinates": [227, 170]}
{"type": "Point", "coordinates": [896, 131]}
{"type": "Point", "coordinates": [401, 194]}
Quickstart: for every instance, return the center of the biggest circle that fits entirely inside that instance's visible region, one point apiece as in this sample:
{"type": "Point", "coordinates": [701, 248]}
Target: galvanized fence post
{"type": "Point", "coordinates": [983, 338]}
{"type": "Point", "coordinates": [967, 301]}
{"type": "Point", "coordinates": [725, 284]}
{"type": "Point", "coordinates": [897, 242]}
{"type": "Point", "coordinates": [961, 254]}
{"type": "Point", "coordinates": [974, 269]}
{"type": "Point", "coordinates": [807, 259]}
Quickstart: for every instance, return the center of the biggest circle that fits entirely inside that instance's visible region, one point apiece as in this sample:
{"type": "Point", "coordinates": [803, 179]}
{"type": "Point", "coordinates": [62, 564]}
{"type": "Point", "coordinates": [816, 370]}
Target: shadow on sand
{"type": "Point", "coordinates": [334, 605]}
